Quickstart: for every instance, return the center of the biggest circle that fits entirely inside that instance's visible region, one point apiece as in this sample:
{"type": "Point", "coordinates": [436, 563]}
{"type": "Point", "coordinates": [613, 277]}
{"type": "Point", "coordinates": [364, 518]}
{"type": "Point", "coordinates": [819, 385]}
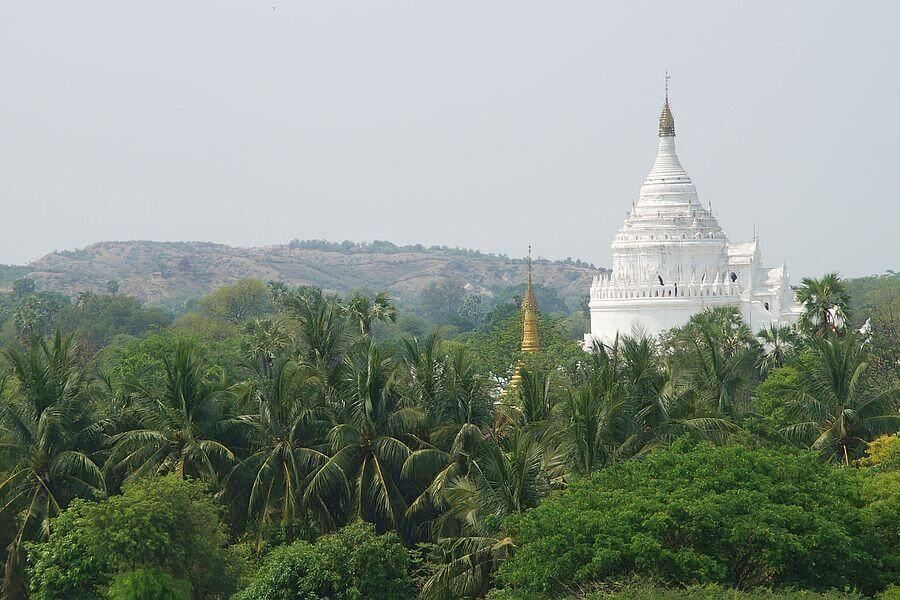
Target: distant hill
{"type": "Point", "coordinates": [170, 273]}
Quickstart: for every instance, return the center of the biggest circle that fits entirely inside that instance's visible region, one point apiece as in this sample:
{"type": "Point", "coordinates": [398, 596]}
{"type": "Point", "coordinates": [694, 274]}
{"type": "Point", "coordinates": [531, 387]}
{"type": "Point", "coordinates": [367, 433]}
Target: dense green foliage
{"type": "Point", "coordinates": [99, 319]}
{"type": "Point", "coordinates": [339, 444]}
{"type": "Point", "coordinates": [65, 566]}
{"type": "Point", "coordinates": [148, 584]}
{"type": "Point", "coordinates": [713, 592]}
{"type": "Point", "coordinates": [166, 524]}
{"type": "Point", "coordinates": [728, 515]}
{"type": "Point", "coordinates": [645, 590]}
{"type": "Point", "coordinates": [351, 564]}
{"type": "Point", "coordinates": [883, 453]}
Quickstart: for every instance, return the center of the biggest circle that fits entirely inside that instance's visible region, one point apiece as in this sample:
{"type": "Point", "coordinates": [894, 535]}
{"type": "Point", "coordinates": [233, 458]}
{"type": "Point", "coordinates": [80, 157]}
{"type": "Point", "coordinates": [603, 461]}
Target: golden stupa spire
{"type": "Point", "coordinates": [666, 120]}
{"type": "Point", "coordinates": [530, 340]}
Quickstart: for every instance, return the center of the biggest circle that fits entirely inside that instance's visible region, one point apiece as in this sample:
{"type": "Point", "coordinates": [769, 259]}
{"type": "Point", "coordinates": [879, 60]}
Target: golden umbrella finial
{"type": "Point", "coordinates": [666, 120]}
{"type": "Point", "coordinates": [530, 340]}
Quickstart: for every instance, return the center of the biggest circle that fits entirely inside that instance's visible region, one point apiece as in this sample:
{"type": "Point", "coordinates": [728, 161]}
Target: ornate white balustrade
{"type": "Point", "coordinates": [606, 288]}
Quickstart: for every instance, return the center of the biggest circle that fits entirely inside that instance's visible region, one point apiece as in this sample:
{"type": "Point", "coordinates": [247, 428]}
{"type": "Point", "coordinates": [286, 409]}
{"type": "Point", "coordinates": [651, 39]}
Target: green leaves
{"type": "Point", "coordinates": [165, 524]}
{"type": "Point", "coordinates": [826, 304]}
{"type": "Point", "coordinates": [834, 414]}
{"type": "Point", "coordinates": [698, 514]}
{"type": "Point", "coordinates": [181, 424]}
{"type": "Point", "coordinates": [349, 565]}
{"type": "Point", "coordinates": [44, 413]}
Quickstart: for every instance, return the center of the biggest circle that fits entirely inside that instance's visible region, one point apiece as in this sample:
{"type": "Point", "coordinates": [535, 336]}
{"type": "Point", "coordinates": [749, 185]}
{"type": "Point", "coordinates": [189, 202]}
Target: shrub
{"type": "Point", "coordinates": [148, 584]}
{"type": "Point", "coordinates": [882, 494]}
{"type": "Point", "coordinates": [883, 453]}
{"type": "Point", "coordinates": [352, 564]}
{"type": "Point", "coordinates": [63, 566]}
{"type": "Point", "coordinates": [648, 591]}
{"type": "Point", "coordinates": [716, 592]}
{"type": "Point", "coordinates": [165, 524]}
{"type": "Point", "coordinates": [697, 515]}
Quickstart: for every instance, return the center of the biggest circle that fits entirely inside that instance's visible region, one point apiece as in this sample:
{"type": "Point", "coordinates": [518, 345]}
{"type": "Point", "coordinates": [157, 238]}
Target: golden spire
{"type": "Point", "coordinates": [530, 340]}
{"type": "Point", "coordinates": [666, 120]}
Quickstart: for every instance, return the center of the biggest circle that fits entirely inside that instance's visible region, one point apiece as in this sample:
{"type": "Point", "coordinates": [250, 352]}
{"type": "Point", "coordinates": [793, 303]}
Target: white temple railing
{"type": "Point", "coordinates": [606, 288]}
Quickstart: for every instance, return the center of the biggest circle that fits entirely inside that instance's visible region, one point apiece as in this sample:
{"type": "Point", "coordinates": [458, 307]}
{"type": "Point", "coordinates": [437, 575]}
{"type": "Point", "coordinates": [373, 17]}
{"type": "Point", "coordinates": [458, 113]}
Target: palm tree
{"type": "Point", "coordinates": [362, 477]}
{"type": "Point", "coordinates": [282, 434]}
{"type": "Point", "coordinates": [464, 397]}
{"type": "Point", "coordinates": [263, 341]}
{"type": "Point", "coordinates": [366, 310]}
{"type": "Point", "coordinates": [536, 400]}
{"type": "Point", "coordinates": [434, 471]}
{"type": "Point", "coordinates": [826, 303]}
{"type": "Point", "coordinates": [182, 426]}
{"type": "Point", "coordinates": [716, 374]}
{"type": "Point", "coordinates": [43, 418]}
{"type": "Point", "coordinates": [644, 406]}
{"type": "Point", "coordinates": [587, 433]}
{"type": "Point", "coordinates": [675, 411]}
{"type": "Point", "coordinates": [322, 338]}
{"type": "Point", "coordinates": [778, 344]}
{"type": "Point", "coordinates": [277, 290]}
{"type": "Point", "coordinates": [468, 563]}
{"type": "Point", "coordinates": [619, 381]}
{"type": "Point", "coordinates": [836, 413]}
{"type": "Point", "coordinates": [424, 365]}
{"type": "Point", "coordinates": [460, 408]}
{"type": "Point", "coordinates": [505, 477]}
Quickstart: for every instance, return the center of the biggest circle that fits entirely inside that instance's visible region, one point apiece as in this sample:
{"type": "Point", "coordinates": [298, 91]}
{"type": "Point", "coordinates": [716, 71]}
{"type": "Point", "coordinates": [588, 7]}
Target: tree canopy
{"type": "Point", "coordinates": [276, 438]}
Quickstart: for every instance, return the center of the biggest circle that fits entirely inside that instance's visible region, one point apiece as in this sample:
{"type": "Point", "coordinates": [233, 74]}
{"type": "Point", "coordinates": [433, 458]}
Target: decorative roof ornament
{"type": "Point", "coordinates": [666, 120]}
{"type": "Point", "coordinates": [530, 340]}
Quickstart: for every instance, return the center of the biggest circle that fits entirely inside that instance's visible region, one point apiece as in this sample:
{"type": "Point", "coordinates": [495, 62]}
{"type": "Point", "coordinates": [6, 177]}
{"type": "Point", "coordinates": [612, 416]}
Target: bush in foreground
{"type": "Point", "coordinates": [148, 584]}
{"type": "Point", "coordinates": [637, 590]}
{"type": "Point", "coordinates": [352, 564]}
{"type": "Point", "coordinates": [165, 525]}
{"type": "Point", "coordinates": [696, 514]}
{"type": "Point", "coordinates": [716, 592]}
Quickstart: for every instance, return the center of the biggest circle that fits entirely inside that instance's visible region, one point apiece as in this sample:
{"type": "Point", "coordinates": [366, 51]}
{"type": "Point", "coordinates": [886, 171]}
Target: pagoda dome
{"type": "Point", "coordinates": [668, 208]}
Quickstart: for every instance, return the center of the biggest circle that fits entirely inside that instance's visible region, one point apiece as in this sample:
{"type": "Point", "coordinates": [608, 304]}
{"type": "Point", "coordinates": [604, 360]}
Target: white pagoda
{"type": "Point", "coordinates": [671, 260]}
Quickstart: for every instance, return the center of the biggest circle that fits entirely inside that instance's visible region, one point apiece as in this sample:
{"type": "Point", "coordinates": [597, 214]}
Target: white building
{"type": "Point", "coordinates": [672, 260]}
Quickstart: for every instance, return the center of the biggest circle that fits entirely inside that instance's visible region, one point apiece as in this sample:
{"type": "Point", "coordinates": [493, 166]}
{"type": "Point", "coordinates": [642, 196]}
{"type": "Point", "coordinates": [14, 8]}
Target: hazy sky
{"type": "Point", "coordinates": [482, 124]}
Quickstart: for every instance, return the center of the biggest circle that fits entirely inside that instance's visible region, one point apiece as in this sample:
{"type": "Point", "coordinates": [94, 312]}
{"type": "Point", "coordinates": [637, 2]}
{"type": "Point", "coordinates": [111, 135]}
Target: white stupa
{"type": "Point", "coordinates": [671, 260]}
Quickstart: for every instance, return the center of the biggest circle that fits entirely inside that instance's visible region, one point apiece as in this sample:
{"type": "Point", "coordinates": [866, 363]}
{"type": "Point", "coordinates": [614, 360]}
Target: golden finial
{"type": "Point", "coordinates": [530, 341]}
{"type": "Point", "coordinates": [529, 265]}
{"type": "Point", "coordinates": [666, 120]}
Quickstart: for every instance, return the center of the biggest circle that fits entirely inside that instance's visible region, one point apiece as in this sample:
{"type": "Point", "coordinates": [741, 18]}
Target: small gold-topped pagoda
{"type": "Point", "coordinates": [531, 342]}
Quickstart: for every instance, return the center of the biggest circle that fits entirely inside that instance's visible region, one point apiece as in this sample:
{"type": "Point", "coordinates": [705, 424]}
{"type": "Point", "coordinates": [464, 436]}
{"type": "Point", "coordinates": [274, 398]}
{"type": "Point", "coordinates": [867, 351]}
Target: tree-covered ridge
{"type": "Point", "coordinates": [172, 273]}
{"type": "Point", "coordinates": [300, 427]}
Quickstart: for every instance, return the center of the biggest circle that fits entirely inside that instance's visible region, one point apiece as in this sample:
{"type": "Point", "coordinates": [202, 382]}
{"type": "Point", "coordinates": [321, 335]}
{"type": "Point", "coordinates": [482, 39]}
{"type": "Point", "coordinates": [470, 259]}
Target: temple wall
{"type": "Point", "coordinates": [650, 315]}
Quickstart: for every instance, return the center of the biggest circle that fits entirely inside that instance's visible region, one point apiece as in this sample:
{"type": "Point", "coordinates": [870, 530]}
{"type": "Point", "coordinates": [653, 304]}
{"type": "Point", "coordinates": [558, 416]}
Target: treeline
{"type": "Point", "coordinates": [386, 247]}
{"type": "Point", "coordinates": [279, 442]}
{"type": "Point", "coordinates": [377, 247]}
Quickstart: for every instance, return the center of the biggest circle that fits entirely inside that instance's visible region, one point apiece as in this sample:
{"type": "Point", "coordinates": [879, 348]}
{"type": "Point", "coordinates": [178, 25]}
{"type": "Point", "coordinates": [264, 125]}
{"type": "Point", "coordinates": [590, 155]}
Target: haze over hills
{"type": "Point", "coordinates": [172, 272]}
